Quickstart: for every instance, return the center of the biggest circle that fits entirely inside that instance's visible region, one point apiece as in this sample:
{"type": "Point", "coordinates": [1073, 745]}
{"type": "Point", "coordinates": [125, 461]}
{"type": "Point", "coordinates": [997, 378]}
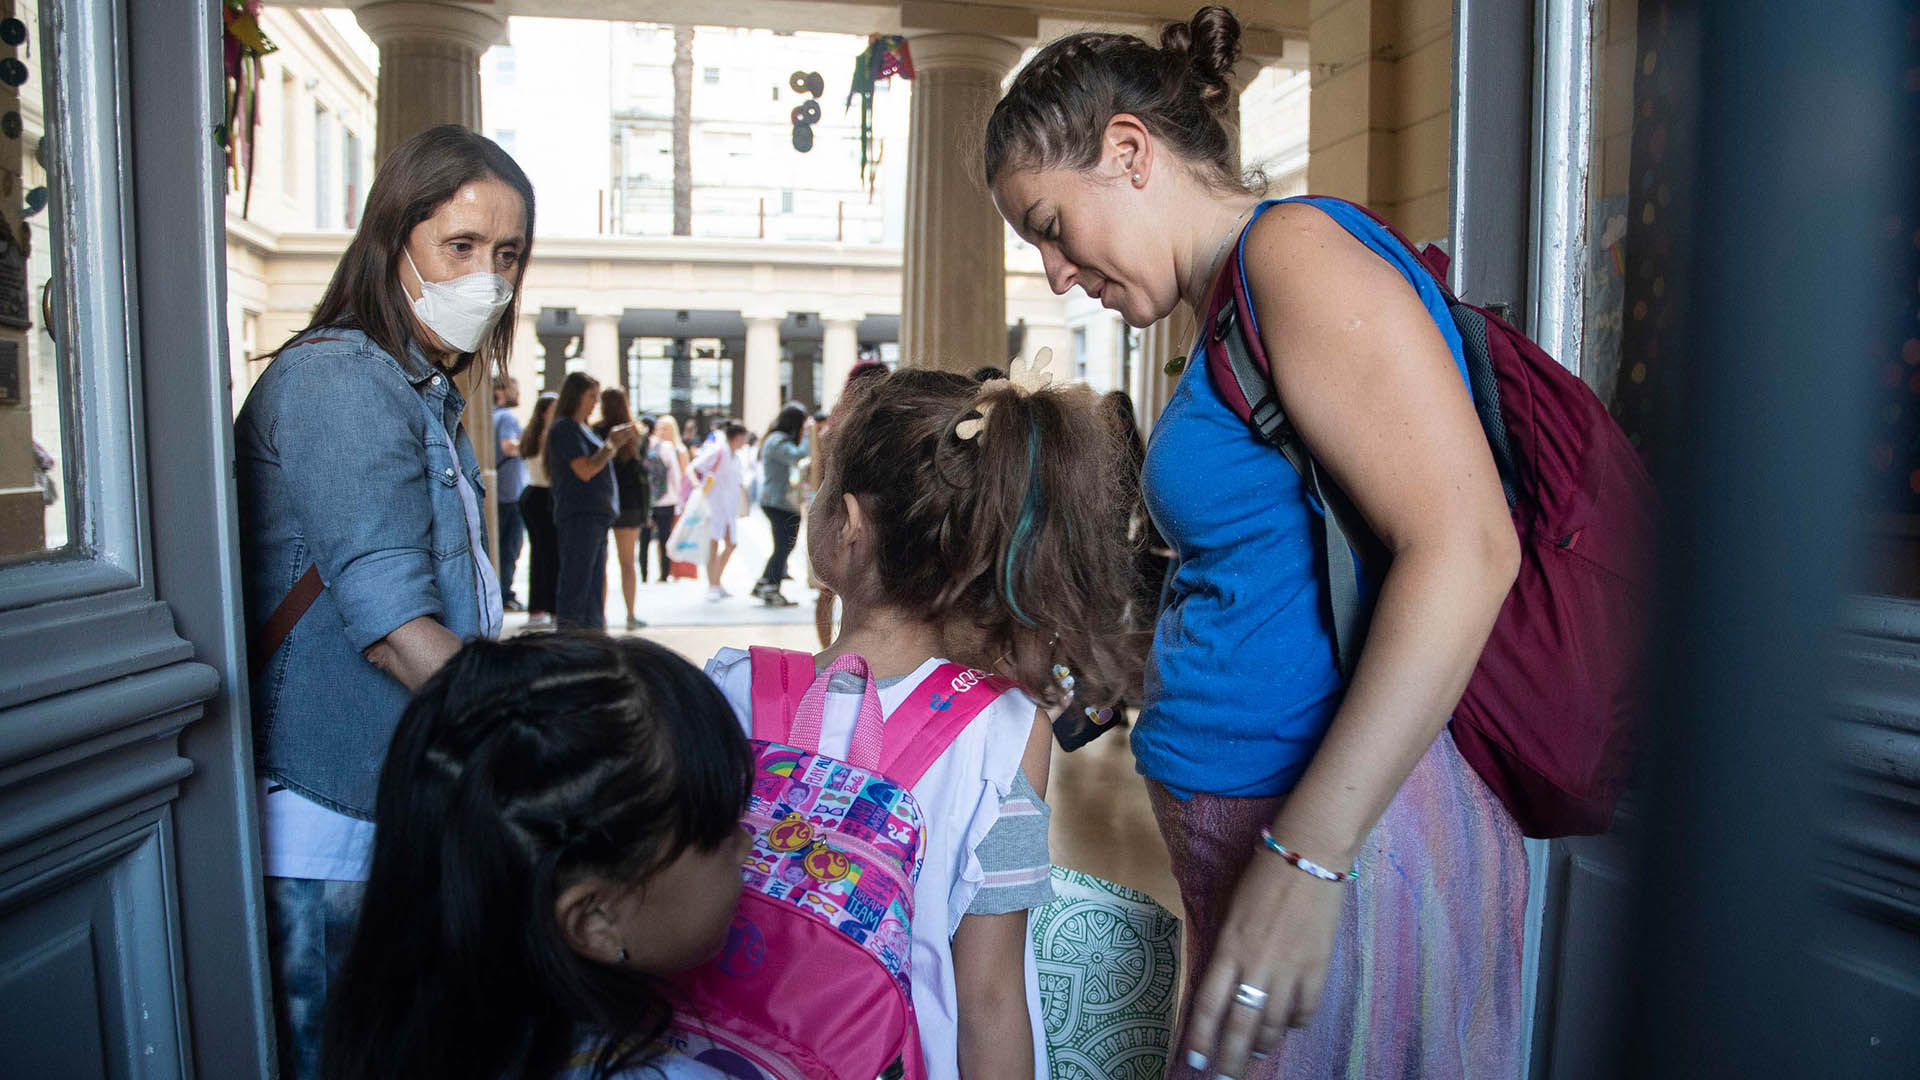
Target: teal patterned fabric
{"type": "Point", "coordinates": [1109, 960]}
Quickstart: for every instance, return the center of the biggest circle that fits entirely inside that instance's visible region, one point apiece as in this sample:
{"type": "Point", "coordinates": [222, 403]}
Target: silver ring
{"type": "Point", "coordinates": [1251, 996]}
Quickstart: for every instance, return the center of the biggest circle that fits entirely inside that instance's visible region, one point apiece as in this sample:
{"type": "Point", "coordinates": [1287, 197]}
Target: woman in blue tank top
{"type": "Point", "coordinates": [1269, 773]}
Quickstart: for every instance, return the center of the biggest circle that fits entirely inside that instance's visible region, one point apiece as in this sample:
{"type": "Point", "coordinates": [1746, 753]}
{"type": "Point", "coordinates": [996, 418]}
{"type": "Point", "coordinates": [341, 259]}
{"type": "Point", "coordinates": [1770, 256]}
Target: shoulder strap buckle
{"type": "Point", "coordinates": [1223, 322]}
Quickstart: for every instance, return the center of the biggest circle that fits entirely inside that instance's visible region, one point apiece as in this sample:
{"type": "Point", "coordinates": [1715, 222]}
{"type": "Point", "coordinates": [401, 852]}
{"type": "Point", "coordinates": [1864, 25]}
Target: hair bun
{"type": "Point", "coordinates": [1207, 47]}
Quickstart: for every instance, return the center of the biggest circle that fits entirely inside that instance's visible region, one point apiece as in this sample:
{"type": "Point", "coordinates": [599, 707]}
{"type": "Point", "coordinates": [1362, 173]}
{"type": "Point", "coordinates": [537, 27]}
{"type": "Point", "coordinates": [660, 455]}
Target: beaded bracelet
{"type": "Point", "coordinates": [1301, 862]}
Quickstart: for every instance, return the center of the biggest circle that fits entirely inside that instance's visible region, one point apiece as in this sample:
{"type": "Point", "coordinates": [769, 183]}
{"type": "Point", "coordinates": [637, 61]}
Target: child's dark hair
{"type": "Point", "coordinates": [519, 767]}
{"type": "Point", "coordinates": [1055, 113]}
{"type": "Point", "coordinates": [1014, 539]}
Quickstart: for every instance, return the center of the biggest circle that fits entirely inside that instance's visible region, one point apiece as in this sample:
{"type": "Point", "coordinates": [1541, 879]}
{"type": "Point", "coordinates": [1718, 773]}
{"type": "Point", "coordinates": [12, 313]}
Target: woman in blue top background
{"type": "Point", "coordinates": [585, 501]}
{"type": "Point", "coordinates": [1110, 157]}
{"type": "Point", "coordinates": [351, 459]}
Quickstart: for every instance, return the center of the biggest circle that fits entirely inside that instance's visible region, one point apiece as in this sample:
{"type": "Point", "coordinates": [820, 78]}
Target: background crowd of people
{"type": "Point", "coordinates": [629, 478]}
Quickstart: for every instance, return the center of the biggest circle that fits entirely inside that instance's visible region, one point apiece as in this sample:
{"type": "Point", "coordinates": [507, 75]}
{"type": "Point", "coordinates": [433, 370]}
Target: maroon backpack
{"type": "Point", "coordinates": [1548, 716]}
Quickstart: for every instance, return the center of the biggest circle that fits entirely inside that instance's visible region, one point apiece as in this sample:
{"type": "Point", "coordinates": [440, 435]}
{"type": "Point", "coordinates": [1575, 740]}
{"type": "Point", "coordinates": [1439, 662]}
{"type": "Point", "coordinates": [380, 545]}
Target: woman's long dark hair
{"type": "Point", "coordinates": [534, 440]}
{"type": "Point", "coordinates": [614, 411]}
{"type": "Point", "coordinates": [791, 421]}
{"type": "Point", "coordinates": [571, 391]}
{"type": "Point", "coordinates": [417, 178]}
{"type": "Point", "coordinates": [520, 767]}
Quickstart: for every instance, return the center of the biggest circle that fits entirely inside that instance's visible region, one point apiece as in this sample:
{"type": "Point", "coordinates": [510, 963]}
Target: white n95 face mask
{"type": "Point", "coordinates": [463, 309]}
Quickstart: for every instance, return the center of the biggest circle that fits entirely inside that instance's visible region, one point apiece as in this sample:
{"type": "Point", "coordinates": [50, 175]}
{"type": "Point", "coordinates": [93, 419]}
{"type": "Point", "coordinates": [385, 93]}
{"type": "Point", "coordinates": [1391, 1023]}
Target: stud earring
{"type": "Point", "coordinates": [1136, 180]}
{"type": "Point", "coordinates": [623, 954]}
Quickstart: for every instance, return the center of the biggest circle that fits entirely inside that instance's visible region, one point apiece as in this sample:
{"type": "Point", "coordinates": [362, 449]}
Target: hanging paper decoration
{"type": "Point", "coordinates": [885, 56]}
{"type": "Point", "coordinates": [245, 45]}
{"type": "Point", "coordinates": [807, 113]}
{"type": "Point", "coordinates": [807, 82]}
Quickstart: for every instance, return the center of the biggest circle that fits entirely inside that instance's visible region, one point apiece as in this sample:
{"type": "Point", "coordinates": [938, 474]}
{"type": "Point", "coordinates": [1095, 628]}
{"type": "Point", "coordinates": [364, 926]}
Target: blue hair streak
{"type": "Point", "coordinates": [1023, 529]}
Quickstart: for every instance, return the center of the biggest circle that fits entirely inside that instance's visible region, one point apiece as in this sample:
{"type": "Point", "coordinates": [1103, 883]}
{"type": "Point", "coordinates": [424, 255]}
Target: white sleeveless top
{"type": "Point", "coordinates": [960, 797]}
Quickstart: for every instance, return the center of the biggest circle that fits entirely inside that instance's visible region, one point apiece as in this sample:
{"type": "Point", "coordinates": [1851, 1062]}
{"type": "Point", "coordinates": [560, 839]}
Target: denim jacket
{"type": "Point", "coordinates": [339, 466]}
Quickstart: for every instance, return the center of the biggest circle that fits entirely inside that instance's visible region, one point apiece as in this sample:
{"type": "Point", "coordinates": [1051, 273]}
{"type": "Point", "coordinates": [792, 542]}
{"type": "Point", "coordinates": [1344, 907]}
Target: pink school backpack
{"type": "Point", "coordinates": [814, 980]}
{"type": "Point", "coordinates": [1547, 717]}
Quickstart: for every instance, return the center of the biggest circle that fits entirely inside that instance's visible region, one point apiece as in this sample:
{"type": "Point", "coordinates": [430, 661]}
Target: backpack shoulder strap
{"type": "Point", "coordinates": [1434, 260]}
{"type": "Point", "coordinates": [1235, 360]}
{"type": "Point", "coordinates": [934, 715]}
{"type": "Point", "coordinates": [1241, 372]}
{"type": "Point", "coordinates": [780, 678]}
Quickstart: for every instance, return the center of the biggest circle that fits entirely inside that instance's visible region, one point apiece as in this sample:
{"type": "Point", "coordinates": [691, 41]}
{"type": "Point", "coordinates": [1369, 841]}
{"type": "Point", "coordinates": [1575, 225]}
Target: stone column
{"type": "Point", "coordinates": [601, 349]}
{"type": "Point", "coordinates": [954, 299]}
{"type": "Point", "coordinates": [839, 352]}
{"type": "Point", "coordinates": [526, 357]}
{"type": "Point", "coordinates": [429, 65]}
{"type": "Point", "coordinates": [760, 398]}
{"type": "Point", "coordinates": [1381, 115]}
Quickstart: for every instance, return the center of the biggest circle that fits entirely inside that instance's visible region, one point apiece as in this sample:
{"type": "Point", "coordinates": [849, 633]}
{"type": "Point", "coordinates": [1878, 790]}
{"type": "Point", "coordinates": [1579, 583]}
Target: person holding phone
{"type": "Point", "coordinates": [585, 501]}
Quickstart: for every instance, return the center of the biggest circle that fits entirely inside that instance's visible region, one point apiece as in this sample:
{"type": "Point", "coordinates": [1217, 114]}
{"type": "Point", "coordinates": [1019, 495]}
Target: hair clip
{"type": "Point", "coordinates": [1023, 377]}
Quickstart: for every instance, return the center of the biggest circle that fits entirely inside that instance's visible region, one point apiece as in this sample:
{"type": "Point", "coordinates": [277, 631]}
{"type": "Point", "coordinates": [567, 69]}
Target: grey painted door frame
{"type": "Point", "coordinates": [1521, 149]}
{"type": "Point", "coordinates": [131, 935]}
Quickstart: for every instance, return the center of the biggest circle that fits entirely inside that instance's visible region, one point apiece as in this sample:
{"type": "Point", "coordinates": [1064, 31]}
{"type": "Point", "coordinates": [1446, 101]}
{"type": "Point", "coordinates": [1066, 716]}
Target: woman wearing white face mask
{"type": "Point", "coordinates": [363, 548]}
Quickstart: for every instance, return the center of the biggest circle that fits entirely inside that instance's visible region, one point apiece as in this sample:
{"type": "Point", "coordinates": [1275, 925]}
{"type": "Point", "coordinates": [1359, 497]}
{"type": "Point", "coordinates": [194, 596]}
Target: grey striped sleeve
{"type": "Point", "coordinates": [1014, 854]}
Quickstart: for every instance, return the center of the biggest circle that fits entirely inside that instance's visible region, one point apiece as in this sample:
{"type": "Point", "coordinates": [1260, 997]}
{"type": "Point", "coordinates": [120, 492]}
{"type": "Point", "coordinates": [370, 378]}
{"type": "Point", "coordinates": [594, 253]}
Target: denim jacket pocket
{"type": "Point", "coordinates": [449, 515]}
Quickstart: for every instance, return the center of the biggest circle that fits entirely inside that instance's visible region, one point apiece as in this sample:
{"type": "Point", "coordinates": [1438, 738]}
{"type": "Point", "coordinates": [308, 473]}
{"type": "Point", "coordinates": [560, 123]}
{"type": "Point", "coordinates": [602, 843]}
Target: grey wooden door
{"type": "Point", "coordinates": [130, 928]}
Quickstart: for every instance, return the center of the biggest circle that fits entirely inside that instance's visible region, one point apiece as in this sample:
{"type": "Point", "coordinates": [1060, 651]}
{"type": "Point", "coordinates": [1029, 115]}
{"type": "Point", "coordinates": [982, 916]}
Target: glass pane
{"type": "Point", "coordinates": [1609, 194]}
{"type": "Point", "coordinates": [1643, 66]}
{"type": "Point", "coordinates": [39, 513]}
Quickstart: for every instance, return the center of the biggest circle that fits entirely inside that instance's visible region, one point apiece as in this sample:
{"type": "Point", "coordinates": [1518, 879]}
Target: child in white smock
{"type": "Point", "coordinates": [718, 466]}
{"type": "Point", "coordinates": [978, 524]}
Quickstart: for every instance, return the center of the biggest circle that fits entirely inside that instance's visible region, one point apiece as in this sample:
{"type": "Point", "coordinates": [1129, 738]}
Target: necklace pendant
{"type": "Point", "coordinates": [1176, 364]}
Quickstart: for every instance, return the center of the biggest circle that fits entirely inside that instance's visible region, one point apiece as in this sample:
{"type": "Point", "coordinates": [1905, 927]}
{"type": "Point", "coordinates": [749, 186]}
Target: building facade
{"type": "Point", "coordinates": [791, 268]}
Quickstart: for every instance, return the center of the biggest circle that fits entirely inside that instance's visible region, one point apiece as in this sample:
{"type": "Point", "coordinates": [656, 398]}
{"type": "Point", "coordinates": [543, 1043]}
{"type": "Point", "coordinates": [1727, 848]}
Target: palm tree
{"type": "Point", "coordinates": [683, 131]}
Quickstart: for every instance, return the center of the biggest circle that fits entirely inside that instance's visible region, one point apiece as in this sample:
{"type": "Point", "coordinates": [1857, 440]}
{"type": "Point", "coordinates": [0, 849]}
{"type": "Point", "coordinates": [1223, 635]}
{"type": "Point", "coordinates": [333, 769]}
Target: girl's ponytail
{"type": "Point", "coordinates": [1001, 513]}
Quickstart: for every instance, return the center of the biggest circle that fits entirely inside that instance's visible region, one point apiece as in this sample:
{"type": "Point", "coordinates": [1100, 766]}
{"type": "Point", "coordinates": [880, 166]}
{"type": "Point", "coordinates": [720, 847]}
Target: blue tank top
{"type": "Point", "coordinates": [1243, 682]}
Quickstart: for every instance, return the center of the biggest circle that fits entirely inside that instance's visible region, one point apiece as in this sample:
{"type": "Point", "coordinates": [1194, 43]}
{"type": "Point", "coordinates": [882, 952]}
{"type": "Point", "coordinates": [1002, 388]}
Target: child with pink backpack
{"type": "Point", "coordinates": [898, 813]}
